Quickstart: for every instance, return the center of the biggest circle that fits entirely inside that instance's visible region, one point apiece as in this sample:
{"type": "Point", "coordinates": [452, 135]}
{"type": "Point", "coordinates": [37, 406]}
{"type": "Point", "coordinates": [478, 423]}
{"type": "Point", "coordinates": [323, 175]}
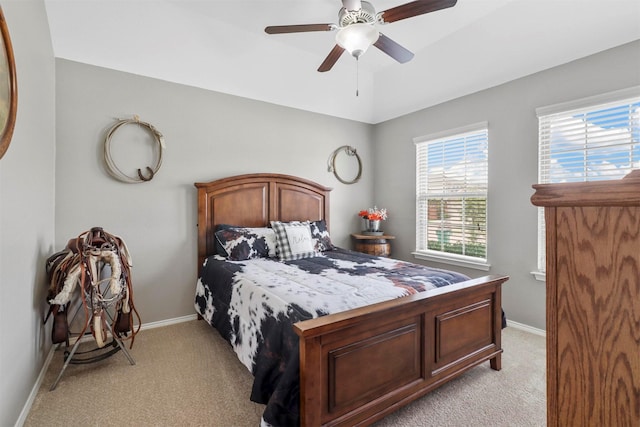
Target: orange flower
{"type": "Point", "coordinates": [373, 214]}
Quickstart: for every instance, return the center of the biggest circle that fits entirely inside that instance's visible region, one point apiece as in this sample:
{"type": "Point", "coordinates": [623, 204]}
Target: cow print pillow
{"type": "Point", "coordinates": [241, 244]}
{"type": "Point", "coordinates": [321, 236]}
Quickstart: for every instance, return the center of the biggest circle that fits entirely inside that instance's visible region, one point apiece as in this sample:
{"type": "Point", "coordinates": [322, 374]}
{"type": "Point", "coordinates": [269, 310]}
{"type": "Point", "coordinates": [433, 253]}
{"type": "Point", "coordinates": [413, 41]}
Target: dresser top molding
{"type": "Point", "coordinates": [621, 192]}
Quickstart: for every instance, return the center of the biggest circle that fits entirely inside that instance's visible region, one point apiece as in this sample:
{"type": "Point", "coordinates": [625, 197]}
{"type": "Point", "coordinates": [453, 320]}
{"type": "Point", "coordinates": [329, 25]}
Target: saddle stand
{"type": "Point", "coordinates": [92, 274]}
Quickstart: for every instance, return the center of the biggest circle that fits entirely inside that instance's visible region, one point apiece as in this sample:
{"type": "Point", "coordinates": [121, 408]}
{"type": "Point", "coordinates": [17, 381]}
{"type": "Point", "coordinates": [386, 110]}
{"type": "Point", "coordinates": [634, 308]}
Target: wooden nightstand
{"type": "Point", "coordinates": [373, 245]}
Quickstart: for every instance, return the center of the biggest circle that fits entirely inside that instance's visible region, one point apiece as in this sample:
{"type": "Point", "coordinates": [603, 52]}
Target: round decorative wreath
{"type": "Point", "coordinates": [114, 170]}
{"type": "Point", "coordinates": [350, 151]}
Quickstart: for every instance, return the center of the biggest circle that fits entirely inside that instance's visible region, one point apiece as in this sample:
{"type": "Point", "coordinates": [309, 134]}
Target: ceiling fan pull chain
{"type": "Point", "coordinates": [357, 76]}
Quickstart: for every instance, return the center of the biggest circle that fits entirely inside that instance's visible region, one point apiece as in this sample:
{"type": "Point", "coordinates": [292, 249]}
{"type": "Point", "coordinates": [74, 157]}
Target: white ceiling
{"type": "Point", "coordinates": [221, 45]}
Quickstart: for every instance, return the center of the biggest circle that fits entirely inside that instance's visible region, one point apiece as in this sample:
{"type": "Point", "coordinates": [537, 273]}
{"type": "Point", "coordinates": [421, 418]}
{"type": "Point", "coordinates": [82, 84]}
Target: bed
{"type": "Point", "coordinates": [333, 367]}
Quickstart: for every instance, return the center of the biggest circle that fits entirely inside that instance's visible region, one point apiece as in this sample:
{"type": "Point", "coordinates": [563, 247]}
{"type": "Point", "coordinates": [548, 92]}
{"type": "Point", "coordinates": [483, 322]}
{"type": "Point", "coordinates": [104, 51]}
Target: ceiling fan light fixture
{"type": "Point", "coordinates": [356, 38]}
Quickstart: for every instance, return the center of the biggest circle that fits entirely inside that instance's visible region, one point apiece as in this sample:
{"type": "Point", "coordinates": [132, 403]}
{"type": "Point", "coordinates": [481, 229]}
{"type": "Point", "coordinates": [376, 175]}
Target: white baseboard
{"type": "Point", "coordinates": [168, 322]}
{"type": "Point", "coordinates": [34, 391]}
{"type": "Point", "coordinates": [526, 328]}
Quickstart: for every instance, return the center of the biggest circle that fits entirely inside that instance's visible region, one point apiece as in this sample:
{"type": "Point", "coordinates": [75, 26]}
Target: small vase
{"type": "Point", "coordinates": [371, 227]}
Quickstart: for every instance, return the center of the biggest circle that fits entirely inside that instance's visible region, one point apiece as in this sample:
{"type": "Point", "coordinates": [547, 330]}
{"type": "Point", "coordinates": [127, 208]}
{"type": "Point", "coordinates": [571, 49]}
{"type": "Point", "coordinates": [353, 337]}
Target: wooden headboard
{"type": "Point", "coordinates": [254, 200]}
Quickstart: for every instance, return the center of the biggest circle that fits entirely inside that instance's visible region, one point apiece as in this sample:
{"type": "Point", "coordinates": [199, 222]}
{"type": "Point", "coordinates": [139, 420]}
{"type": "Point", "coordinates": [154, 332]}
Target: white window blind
{"type": "Point", "coordinates": [598, 141]}
{"type": "Point", "coordinates": [451, 193]}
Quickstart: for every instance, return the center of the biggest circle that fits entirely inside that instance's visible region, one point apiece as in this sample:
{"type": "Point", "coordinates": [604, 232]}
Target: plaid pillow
{"type": "Point", "coordinates": [293, 240]}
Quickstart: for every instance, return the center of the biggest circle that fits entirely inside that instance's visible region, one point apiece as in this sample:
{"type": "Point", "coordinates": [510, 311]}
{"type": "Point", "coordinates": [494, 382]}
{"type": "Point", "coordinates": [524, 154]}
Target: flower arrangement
{"type": "Point", "coordinates": [373, 214]}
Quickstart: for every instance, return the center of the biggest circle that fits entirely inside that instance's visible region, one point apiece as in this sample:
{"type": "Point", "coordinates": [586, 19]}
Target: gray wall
{"type": "Point", "coordinates": [513, 142]}
{"type": "Point", "coordinates": [208, 136]}
{"type": "Point", "coordinates": [26, 209]}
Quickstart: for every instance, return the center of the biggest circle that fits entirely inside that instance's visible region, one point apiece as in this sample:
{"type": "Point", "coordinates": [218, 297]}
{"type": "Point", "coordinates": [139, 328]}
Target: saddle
{"type": "Point", "coordinates": [83, 263]}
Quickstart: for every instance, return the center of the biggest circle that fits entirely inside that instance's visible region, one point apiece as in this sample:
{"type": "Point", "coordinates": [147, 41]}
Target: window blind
{"type": "Point", "coordinates": [451, 193]}
{"type": "Point", "coordinates": [596, 142]}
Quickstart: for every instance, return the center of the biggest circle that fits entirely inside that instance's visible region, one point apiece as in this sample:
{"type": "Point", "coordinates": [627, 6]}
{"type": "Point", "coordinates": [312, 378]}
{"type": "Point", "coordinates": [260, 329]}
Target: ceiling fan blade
{"type": "Point", "coordinates": [282, 29]}
{"type": "Point", "coordinates": [331, 59]}
{"type": "Point", "coordinates": [393, 49]}
{"type": "Point", "coordinates": [415, 8]}
{"type": "Point", "coordinates": [352, 5]}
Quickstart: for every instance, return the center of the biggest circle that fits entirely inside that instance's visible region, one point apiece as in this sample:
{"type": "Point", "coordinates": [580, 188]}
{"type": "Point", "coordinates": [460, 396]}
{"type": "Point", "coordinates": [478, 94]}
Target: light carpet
{"type": "Point", "coordinates": [187, 375]}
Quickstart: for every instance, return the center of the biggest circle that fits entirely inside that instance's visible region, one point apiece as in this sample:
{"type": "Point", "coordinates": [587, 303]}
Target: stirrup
{"type": "Point", "coordinates": [99, 332]}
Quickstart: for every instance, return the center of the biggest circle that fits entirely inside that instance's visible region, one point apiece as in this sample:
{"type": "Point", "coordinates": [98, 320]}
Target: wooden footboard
{"type": "Point", "coordinates": [359, 365]}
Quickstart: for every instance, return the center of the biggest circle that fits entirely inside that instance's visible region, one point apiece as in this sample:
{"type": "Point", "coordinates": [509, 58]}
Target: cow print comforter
{"type": "Point", "coordinates": [254, 303]}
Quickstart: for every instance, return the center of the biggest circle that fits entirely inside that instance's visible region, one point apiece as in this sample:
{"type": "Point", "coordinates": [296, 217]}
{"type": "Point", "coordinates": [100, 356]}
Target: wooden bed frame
{"type": "Point", "coordinates": [359, 365]}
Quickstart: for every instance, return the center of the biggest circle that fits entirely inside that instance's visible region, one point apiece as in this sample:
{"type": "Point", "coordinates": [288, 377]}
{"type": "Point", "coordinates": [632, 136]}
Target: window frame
{"type": "Point", "coordinates": [585, 106]}
{"type": "Point", "coordinates": [441, 256]}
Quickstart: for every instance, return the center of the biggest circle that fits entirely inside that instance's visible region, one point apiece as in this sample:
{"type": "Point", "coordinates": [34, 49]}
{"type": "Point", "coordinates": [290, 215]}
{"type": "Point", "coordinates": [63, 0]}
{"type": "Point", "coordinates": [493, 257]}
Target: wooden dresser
{"type": "Point", "coordinates": [593, 301]}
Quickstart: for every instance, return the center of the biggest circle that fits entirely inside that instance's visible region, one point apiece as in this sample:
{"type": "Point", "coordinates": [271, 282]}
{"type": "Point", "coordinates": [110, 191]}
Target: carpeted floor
{"type": "Point", "coordinates": [186, 375]}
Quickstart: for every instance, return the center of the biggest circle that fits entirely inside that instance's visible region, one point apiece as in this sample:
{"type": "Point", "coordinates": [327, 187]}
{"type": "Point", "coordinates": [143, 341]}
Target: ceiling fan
{"type": "Point", "coordinates": [357, 30]}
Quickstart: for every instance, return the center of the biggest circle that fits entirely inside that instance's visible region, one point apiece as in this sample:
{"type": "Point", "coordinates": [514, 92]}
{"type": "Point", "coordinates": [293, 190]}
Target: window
{"type": "Point", "coordinates": [451, 196]}
{"type": "Point", "coordinates": [597, 138]}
